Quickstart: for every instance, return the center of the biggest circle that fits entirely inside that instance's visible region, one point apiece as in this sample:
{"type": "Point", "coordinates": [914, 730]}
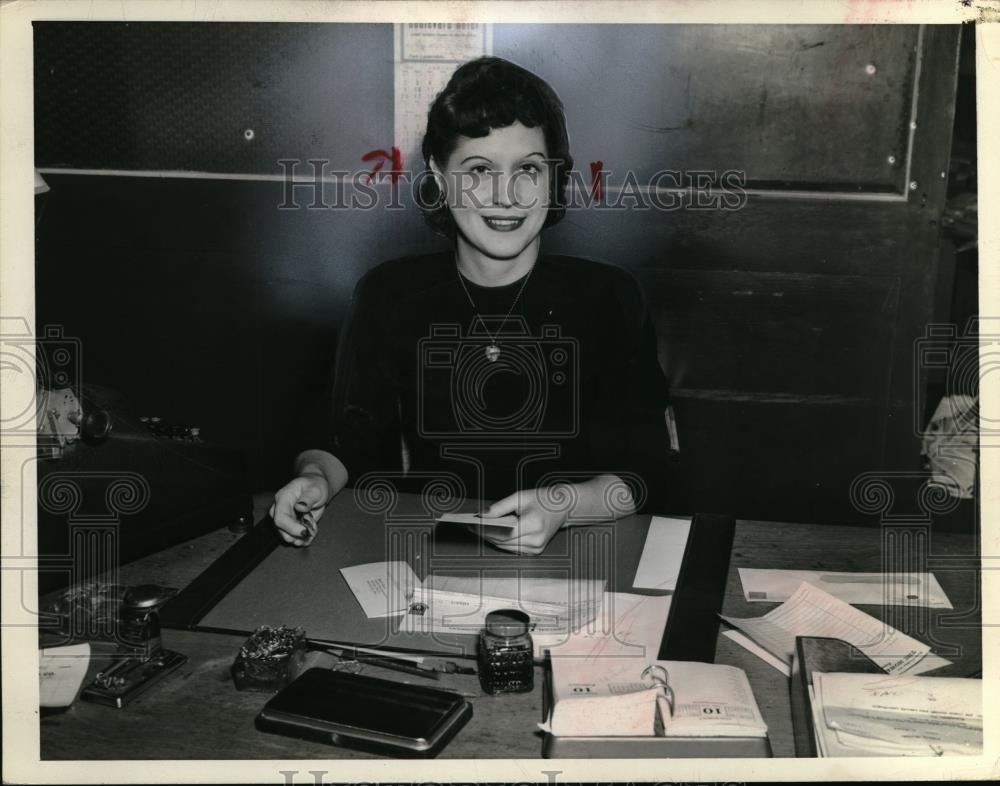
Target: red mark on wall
{"type": "Point", "coordinates": [596, 181]}
{"type": "Point", "coordinates": [395, 157]}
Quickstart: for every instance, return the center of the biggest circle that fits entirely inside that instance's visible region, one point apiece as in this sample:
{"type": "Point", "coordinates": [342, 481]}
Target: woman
{"type": "Point", "coordinates": [527, 378]}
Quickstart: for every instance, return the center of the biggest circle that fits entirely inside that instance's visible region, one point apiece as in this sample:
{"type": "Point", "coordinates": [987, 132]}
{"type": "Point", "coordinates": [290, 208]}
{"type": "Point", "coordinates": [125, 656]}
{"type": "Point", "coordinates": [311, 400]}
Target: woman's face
{"type": "Point", "coordinates": [497, 188]}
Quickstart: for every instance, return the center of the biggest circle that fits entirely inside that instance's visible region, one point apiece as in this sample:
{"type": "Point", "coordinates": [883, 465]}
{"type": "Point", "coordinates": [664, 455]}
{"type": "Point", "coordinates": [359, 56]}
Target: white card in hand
{"type": "Point", "coordinates": [471, 519]}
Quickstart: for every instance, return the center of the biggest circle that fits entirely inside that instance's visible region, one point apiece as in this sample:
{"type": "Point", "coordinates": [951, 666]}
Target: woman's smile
{"type": "Point", "coordinates": [503, 223]}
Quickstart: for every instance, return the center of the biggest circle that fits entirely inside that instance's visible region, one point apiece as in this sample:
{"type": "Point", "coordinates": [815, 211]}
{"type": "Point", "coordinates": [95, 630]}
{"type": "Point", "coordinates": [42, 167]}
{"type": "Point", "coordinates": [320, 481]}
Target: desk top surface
{"type": "Point", "coordinates": [196, 713]}
{"type": "Point", "coordinates": [303, 587]}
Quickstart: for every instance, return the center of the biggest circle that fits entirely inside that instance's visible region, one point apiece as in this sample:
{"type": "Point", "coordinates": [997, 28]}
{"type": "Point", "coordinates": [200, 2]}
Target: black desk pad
{"type": "Point", "coordinates": [260, 581]}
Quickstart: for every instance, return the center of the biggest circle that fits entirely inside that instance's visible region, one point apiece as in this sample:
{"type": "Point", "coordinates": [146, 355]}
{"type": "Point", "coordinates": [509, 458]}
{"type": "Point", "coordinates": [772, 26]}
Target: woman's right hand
{"type": "Point", "coordinates": [298, 507]}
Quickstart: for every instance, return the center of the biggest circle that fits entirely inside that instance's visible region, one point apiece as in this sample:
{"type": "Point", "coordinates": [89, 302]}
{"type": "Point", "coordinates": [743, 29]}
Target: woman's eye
{"type": "Point", "coordinates": [480, 169]}
{"type": "Point", "coordinates": [530, 167]}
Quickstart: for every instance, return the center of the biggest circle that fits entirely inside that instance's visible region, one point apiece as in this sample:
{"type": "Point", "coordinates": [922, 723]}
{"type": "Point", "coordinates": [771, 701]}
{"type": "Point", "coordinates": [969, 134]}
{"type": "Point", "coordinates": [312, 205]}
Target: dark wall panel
{"type": "Point", "coordinates": [785, 460]}
{"type": "Point", "coordinates": [791, 334]}
{"type": "Point", "coordinates": [792, 106]}
{"type": "Point", "coordinates": [172, 96]}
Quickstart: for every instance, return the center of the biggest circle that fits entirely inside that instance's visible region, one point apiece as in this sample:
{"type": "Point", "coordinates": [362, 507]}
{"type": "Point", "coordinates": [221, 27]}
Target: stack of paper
{"type": "Point", "coordinates": [812, 612]}
{"type": "Point", "coordinates": [608, 697]}
{"type": "Point", "coordinates": [883, 715]}
{"type": "Point", "coordinates": [570, 617]}
{"type": "Point", "coordinates": [626, 625]}
{"type": "Point", "coordinates": [459, 604]}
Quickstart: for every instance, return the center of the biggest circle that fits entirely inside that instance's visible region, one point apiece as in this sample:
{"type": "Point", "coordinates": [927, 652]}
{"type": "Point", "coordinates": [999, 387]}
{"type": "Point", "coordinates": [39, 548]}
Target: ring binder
{"type": "Point", "coordinates": [623, 707]}
{"type": "Point", "coordinates": [654, 672]}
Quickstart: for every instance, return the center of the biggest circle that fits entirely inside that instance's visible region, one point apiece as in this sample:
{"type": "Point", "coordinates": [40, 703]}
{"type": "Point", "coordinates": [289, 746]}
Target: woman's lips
{"type": "Point", "coordinates": [500, 224]}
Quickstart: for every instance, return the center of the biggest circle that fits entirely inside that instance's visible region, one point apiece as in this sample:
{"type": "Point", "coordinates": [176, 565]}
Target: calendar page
{"type": "Point", "coordinates": [426, 54]}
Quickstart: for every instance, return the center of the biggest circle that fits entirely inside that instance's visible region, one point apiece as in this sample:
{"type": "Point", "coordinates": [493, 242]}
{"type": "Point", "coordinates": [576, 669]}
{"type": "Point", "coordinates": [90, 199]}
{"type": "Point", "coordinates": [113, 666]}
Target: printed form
{"type": "Point", "coordinates": [879, 714]}
{"type": "Point", "coordinates": [812, 612]}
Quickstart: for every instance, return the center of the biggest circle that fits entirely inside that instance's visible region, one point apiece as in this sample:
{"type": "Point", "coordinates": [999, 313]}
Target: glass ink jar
{"type": "Point", "coordinates": [506, 662]}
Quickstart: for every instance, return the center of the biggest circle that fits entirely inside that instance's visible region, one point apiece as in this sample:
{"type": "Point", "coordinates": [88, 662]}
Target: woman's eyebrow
{"type": "Point", "coordinates": [489, 160]}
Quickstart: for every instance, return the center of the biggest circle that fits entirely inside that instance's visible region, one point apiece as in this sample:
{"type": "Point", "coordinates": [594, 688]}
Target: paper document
{"type": "Point", "coordinates": [472, 520]}
{"type": "Point", "coordinates": [812, 612]}
{"type": "Point", "coordinates": [613, 697]}
{"type": "Point", "coordinates": [459, 604]}
{"type": "Point", "coordinates": [627, 626]}
{"type": "Point", "coordinates": [61, 671]}
{"type": "Point", "coordinates": [895, 589]}
{"type": "Point", "coordinates": [662, 554]}
{"type": "Point", "coordinates": [882, 715]}
{"type": "Point", "coordinates": [382, 588]}
{"type": "Point", "coordinates": [748, 644]}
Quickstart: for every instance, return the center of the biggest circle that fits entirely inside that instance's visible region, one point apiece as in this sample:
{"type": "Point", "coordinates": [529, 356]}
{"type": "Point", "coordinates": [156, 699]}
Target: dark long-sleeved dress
{"type": "Point", "coordinates": [576, 391]}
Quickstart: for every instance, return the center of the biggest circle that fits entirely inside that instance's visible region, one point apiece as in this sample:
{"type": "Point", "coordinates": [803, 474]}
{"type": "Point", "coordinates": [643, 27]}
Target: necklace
{"type": "Point", "coordinates": [493, 348]}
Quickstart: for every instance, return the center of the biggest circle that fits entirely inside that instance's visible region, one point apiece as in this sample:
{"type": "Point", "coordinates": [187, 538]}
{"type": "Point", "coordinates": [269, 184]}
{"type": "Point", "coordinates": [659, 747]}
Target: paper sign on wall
{"type": "Point", "coordinates": [425, 55]}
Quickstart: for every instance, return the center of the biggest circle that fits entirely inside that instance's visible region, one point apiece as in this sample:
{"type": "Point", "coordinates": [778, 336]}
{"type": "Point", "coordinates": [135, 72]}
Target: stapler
{"type": "Point", "coordinates": [140, 660]}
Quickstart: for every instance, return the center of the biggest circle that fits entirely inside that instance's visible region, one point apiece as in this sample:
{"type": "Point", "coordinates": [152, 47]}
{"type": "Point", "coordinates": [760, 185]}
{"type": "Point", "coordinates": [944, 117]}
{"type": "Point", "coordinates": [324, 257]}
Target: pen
{"type": "Point", "coordinates": [311, 527]}
{"type": "Point", "coordinates": [406, 668]}
{"type": "Point", "coordinates": [429, 667]}
{"type": "Point", "coordinates": [385, 661]}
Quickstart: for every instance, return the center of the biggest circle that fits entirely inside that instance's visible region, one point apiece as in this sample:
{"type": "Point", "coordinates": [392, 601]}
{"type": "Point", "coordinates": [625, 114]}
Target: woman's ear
{"type": "Point", "coordinates": [440, 181]}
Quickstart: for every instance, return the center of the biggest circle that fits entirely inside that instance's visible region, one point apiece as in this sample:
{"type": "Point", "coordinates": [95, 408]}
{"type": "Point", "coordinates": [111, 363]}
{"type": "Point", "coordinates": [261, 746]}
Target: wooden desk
{"type": "Point", "coordinates": [196, 713]}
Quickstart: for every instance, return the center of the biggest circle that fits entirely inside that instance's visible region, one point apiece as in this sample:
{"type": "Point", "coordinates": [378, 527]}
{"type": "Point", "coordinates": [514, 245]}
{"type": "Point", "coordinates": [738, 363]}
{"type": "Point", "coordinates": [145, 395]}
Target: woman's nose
{"type": "Point", "coordinates": [503, 190]}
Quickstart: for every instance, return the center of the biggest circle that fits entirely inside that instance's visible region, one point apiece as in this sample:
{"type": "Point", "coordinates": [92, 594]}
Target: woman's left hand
{"type": "Point", "coordinates": [541, 512]}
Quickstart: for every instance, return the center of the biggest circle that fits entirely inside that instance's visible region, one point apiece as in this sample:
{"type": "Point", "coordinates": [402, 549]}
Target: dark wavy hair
{"type": "Point", "coordinates": [481, 95]}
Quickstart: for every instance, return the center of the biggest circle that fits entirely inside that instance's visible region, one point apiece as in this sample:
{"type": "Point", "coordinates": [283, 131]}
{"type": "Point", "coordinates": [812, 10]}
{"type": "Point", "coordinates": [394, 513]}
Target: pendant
{"type": "Point", "coordinates": [492, 353]}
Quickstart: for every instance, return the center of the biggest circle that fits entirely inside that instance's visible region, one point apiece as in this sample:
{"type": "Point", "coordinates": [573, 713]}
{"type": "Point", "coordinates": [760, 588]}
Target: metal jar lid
{"type": "Point", "coordinates": [507, 623]}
